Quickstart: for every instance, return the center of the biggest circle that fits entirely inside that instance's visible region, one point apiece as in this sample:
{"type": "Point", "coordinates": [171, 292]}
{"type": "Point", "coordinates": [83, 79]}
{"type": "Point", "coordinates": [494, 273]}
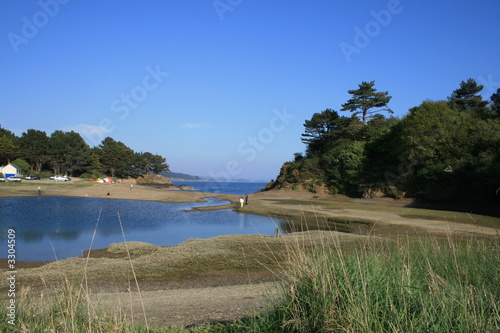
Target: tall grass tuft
{"type": "Point", "coordinates": [66, 310]}
{"type": "Point", "coordinates": [401, 286]}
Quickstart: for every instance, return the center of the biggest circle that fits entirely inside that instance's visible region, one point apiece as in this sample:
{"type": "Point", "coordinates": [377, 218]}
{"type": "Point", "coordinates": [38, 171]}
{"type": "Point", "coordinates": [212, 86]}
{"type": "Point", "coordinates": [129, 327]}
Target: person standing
{"type": "Point", "coordinates": [39, 190]}
{"type": "Point", "coordinates": [246, 199]}
{"type": "Point", "coordinates": [242, 202]}
{"type": "Point", "coordinates": [131, 186]}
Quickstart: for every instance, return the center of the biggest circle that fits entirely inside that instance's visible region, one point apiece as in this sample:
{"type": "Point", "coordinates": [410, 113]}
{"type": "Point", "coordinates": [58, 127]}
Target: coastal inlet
{"type": "Point", "coordinates": [61, 227]}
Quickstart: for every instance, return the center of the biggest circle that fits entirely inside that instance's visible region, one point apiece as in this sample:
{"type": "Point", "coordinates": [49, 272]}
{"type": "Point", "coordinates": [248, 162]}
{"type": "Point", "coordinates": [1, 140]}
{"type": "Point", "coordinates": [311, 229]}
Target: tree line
{"type": "Point", "coordinates": [447, 150]}
{"type": "Point", "coordinates": [66, 153]}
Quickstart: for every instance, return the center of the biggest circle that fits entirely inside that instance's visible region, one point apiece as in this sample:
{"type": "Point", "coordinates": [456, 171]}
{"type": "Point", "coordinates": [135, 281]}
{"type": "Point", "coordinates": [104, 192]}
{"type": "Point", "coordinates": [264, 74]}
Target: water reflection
{"type": "Point", "coordinates": [30, 236]}
{"type": "Point", "coordinates": [67, 223]}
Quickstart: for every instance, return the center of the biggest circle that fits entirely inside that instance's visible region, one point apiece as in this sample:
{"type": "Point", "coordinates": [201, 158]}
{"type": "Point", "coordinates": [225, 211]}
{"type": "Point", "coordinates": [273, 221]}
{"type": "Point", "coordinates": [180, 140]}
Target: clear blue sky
{"type": "Point", "coordinates": [223, 87]}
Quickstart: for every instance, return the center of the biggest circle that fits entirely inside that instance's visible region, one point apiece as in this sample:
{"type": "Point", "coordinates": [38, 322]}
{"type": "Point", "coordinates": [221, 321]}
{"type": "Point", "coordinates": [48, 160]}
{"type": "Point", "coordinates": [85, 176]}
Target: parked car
{"type": "Point", "coordinates": [61, 178]}
{"type": "Point", "coordinates": [32, 177]}
{"type": "Point", "coordinates": [2, 179]}
{"type": "Point", "coordinates": [14, 179]}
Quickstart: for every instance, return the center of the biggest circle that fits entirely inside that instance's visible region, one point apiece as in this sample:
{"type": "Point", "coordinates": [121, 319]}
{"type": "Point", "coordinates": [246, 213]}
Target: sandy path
{"type": "Point", "coordinates": [191, 306]}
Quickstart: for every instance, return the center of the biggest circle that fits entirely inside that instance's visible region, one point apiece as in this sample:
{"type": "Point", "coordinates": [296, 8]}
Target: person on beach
{"type": "Point", "coordinates": [39, 190]}
{"type": "Point", "coordinates": [131, 186]}
{"type": "Point", "coordinates": [246, 199]}
{"type": "Point", "coordinates": [242, 202]}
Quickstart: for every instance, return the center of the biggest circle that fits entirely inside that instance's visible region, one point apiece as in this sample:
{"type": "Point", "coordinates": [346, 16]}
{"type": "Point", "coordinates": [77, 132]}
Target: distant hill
{"type": "Point", "coordinates": [180, 176]}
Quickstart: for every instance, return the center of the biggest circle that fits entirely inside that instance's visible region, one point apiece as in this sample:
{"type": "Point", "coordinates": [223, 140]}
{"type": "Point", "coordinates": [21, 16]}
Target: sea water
{"type": "Point", "coordinates": [239, 188]}
{"type": "Point", "coordinates": [49, 228]}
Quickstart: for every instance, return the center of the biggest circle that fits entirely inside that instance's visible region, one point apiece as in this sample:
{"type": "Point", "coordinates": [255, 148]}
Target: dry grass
{"type": "Point", "coordinates": [193, 259]}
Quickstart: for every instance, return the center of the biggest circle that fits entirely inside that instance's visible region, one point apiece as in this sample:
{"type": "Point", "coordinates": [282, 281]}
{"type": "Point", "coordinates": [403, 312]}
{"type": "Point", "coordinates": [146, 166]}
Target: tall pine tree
{"type": "Point", "coordinates": [467, 98]}
{"type": "Point", "coordinates": [367, 101]}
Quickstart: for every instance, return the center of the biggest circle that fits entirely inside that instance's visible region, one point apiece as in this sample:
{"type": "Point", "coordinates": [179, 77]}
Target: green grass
{"type": "Point", "coordinates": [28, 184]}
{"type": "Point", "coordinates": [427, 286]}
{"type": "Point", "coordinates": [410, 212]}
{"type": "Point", "coordinates": [404, 285]}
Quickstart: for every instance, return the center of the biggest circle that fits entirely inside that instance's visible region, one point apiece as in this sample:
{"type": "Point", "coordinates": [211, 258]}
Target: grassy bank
{"type": "Point", "coordinates": [427, 286]}
{"type": "Point", "coordinates": [390, 286]}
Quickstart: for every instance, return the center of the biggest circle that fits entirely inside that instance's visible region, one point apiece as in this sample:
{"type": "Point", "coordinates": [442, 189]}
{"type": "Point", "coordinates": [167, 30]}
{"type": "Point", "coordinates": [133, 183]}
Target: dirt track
{"type": "Point", "coordinates": [194, 305]}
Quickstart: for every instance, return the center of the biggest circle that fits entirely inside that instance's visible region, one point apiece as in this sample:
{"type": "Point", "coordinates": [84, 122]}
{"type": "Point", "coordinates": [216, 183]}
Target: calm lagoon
{"type": "Point", "coordinates": [62, 227]}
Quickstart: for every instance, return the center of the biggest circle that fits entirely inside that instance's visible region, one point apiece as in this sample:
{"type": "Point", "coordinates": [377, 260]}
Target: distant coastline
{"type": "Point", "coordinates": [184, 177]}
{"type": "Point", "coordinates": [217, 180]}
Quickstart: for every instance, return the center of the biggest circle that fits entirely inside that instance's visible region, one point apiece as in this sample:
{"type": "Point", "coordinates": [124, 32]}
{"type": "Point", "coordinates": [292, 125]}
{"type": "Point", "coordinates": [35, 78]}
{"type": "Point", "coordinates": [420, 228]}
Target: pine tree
{"type": "Point", "coordinates": [8, 150]}
{"type": "Point", "coordinates": [116, 157]}
{"type": "Point", "coordinates": [367, 101]}
{"type": "Point", "coordinates": [495, 103]}
{"type": "Point", "coordinates": [35, 148]}
{"type": "Point", "coordinates": [467, 97]}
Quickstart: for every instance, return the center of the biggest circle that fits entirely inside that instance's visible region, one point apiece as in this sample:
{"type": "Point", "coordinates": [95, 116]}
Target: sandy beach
{"type": "Point", "coordinates": [78, 188]}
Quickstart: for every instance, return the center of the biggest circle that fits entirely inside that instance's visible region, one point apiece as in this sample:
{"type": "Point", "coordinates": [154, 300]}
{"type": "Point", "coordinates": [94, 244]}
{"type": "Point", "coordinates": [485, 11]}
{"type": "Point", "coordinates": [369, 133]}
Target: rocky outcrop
{"type": "Point", "coordinates": [186, 188]}
{"type": "Point", "coordinates": [296, 176]}
{"type": "Point", "coordinates": [153, 180]}
{"type": "Point", "coordinates": [156, 180]}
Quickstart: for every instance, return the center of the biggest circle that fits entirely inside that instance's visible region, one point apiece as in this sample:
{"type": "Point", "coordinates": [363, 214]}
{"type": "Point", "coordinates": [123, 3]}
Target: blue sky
{"type": "Point", "coordinates": [222, 88]}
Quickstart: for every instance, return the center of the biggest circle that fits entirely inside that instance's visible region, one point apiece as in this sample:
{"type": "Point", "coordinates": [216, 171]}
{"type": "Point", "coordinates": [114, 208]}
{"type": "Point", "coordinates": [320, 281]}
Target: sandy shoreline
{"type": "Point", "coordinates": [377, 214]}
{"type": "Point", "coordinates": [112, 191]}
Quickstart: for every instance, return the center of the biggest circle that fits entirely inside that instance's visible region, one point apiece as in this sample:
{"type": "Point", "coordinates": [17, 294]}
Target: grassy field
{"type": "Point", "coordinates": [29, 188]}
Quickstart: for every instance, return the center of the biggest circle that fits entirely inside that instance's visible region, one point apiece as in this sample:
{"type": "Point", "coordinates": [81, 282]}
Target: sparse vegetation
{"type": "Point", "coordinates": [327, 285]}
